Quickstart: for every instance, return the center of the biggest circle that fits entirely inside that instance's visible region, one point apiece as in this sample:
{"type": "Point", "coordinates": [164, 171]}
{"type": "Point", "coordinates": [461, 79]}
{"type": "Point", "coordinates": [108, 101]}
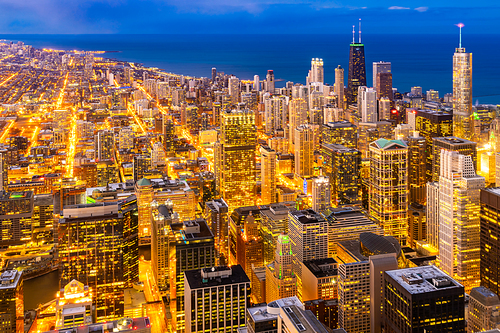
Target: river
{"type": "Point", "coordinates": [40, 290]}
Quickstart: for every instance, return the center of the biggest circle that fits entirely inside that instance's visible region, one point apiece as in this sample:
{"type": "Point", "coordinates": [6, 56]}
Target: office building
{"type": "Point", "coordinates": [339, 87]}
{"type": "Point", "coordinates": [104, 145]}
{"type": "Point", "coordinates": [216, 214]}
{"type": "Point", "coordinates": [463, 126]}
{"type": "Point", "coordinates": [74, 306]}
{"type": "Point", "coordinates": [216, 299]}
{"type": "Point", "coordinates": [281, 281]}
{"type": "Point", "coordinates": [369, 132]}
{"type": "Point", "coordinates": [16, 211]}
{"type": "Point", "coordinates": [434, 302]}
{"type": "Point", "coordinates": [256, 83]}
{"type": "Point", "coordinates": [141, 167]}
{"type": "Point", "coordinates": [417, 224]}
{"type": "Point", "coordinates": [249, 245]}
{"type": "Point", "coordinates": [348, 223]}
{"type": "Point", "coordinates": [274, 222]}
{"type": "Point", "coordinates": [144, 193]}
{"type": "Point", "coordinates": [270, 82]}
{"type": "Point", "coordinates": [483, 310]}
{"type": "Point", "coordinates": [234, 89]}
{"type": "Point", "coordinates": [317, 73]}
{"type": "Point", "coordinates": [236, 222]}
{"type": "Point", "coordinates": [342, 165]}
{"type": "Point", "coordinates": [367, 104]}
{"type": "Point", "coordinates": [379, 264]}
{"type": "Point", "coordinates": [298, 115]}
{"type": "Point", "coordinates": [357, 73]}
{"type": "Point", "coordinates": [168, 136]}
{"type": "Point", "coordinates": [275, 113]}
{"type": "Point", "coordinates": [304, 150]}
{"type": "Point", "coordinates": [459, 206]}
{"type": "Point", "coordinates": [268, 174]}
{"type": "Point", "coordinates": [490, 239]}
{"type": "Point", "coordinates": [341, 132]}
{"type": "Point", "coordinates": [380, 67]}
{"type": "Point", "coordinates": [235, 159]}
{"type": "Point", "coordinates": [11, 302]}
{"type": "Point", "coordinates": [432, 124]}
{"type": "Point", "coordinates": [417, 147]}
{"type": "Point", "coordinates": [126, 138]}
{"type": "Point", "coordinates": [321, 276]}
{"type": "Point", "coordinates": [4, 172]}
{"type": "Point", "coordinates": [308, 233]}
{"type": "Point", "coordinates": [321, 196]}
{"type": "Point", "coordinates": [388, 194]}
{"type": "Point", "coordinates": [101, 237]}
{"type": "Point", "coordinates": [462, 146]}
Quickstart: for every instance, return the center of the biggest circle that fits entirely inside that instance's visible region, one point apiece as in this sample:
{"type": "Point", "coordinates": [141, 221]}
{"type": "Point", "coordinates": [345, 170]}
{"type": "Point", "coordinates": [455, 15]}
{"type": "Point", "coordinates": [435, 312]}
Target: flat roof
{"type": "Point", "coordinates": [322, 267]}
{"type": "Point", "coordinates": [195, 281]}
{"type": "Point", "coordinates": [419, 280]}
{"type": "Point", "coordinates": [307, 216]}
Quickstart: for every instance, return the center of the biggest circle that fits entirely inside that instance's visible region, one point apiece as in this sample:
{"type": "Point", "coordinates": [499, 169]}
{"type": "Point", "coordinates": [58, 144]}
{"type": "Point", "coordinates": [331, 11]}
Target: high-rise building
{"type": "Point", "coordinates": [298, 115]}
{"type": "Point", "coordinates": [141, 166]}
{"type": "Point", "coordinates": [341, 132]}
{"type": "Point", "coordinates": [249, 245]}
{"type": "Point", "coordinates": [308, 233]}
{"type": "Point", "coordinates": [74, 305]}
{"type": "Point", "coordinates": [274, 222]}
{"type": "Point", "coordinates": [342, 165]}
{"type": "Point", "coordinates": [168, 136]}
{"type": "Point", "coordinates": [321, 193]}
{"type": "Point", "coordinates": [104, 145]}
{"type": "Point", "coordinates": [431, 124]}
{"type": "Point", "coordinates": [321, 276]}
{"type": "Point", "coordinates": [388, 195]}
{"type": "Point", "coordinates": [4, 175]}
{"type": "Point", "coordinates": [451, 143]}
{"type": "Point", "coordinates": [380, 67]}
{"type": "Point", "coordinates": [462, 93]}
{"type": "Point", "coordinates": [433, 301]}
{"type": "Point", "coordinates": [281, 281]}
{"type": "Point", "coordinates": [144, 193]}
{"type": "Point", "coordinates": [270, 81]}
{"type": "Point", "coordinates": [304, 150]}
{"type": "Point", "coordinates": [384, 86]}
{"type": "Point", "coordinates": [216, 299]}
{"type": "Point", "coordinates": [123, 325]}
{"type": "Point", "coordinates": [367, 104]}
{"type": "Point", "coordinates": [16, 211]}
{"type": "Point", "coordinates": [101, 237]}
{"type": "Point", "coordinates": [317, 71]}
{"type": "Point", "coordinates": [235, 159]}
{"type": "Point", "coordinates": [459, 206]}
{"type": "Point", "coordinates": [11, 302]}
{"type": "Point", "coordinates": [216, 214]}
{"type": "Point", "coordinates": [256, 83]}
{"type": "Point", "coordinates": [490, 239]}
{"type": "Point", "coordinates": [214, 74]}
{"type": "Point", "coordinates": [275, 113]}
{"type": "Point", "coordinates": [357, 72]}
{"type": "Point", "coordinates": [126, 138]}
{"type": "Point", "coordinates": [417, 224]}
{"type": "Point", "coordinates": [417, 147]}
{"type": "Point", "coordinates": [483, 310]}
{"type": "Point", "coordinates": [432, 214]}
{"type": "Point", "coordinates": [234, 89]}
{"type": "Point", "coordinates": [268, 174]}
{"type": "Point", "coordinates": [339, 87]}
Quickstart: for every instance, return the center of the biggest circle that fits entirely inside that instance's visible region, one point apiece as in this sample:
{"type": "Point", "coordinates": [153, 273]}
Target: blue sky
{"type": "Point", "coordinates": [246, 16]}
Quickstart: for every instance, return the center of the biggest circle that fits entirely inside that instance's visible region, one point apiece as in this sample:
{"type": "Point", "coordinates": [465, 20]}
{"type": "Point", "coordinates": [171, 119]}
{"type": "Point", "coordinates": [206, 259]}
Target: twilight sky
{"type": "Point", "coordinates": [246, 16]}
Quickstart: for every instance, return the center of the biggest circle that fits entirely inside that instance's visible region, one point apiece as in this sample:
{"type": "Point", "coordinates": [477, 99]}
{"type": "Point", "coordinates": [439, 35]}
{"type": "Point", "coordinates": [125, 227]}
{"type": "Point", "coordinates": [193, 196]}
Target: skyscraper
{"type": "Point", "coordinates": [490, 239]}
{"type": "Point", "coordinates": [462, 146]}
{"type": "Point", "coordinates": [216, 299]}
{"type": "Point", "coordinates": [341, 132]}
{"type": "Point", "coordinates": [268, 174]}
{"type": "Point", "coordinates": [433, 301]}
{"type": "Point", "coordinates": [483, 309]}
{"type": "Point", "coordinates": [339, 87]}
{"type": "Point", "coordinates": [275, 113]}
{"type": "Point", "coordinates": [367, 104]}
{"type": "Point", "coordinates": [270, 81]}
{"type": "Point", "coordinates": [11, 302]}
{"type": "Point", "coordinates": [234, 89]}
{"type": "Point", "coordinates": [317, 71]}
{"type": "Point", "coordinates": [214, 74]}
{"type": "Point", "coordinates": [304, 150]}
{"type": "Point", "coordinates": [343, 166]}
{"type": "Point", "coordinates": [357, 72]}
{"type": "Point", "coordinates": [459, 205]}
{"type": "Point", "coordinates": [256, 83]}
{"type": "Point", "coordinates": [235, 159]}
{"type": "Point", "coordinates": [98, 246]}
{"type": "Point", "coordinates": [298, 115]}
{"type": "Point", "coordinates": [417, 168]}
{"type": "Point", "coordinates": [280, 279]}
{"type": "Point", "coordinates": [216, 214]}
{"type": "Point", "coordinates": [321, 194]}
{"type": "Point", "coordinates": [380, 67]}
{"type": "Point", "coordinates": [388, 195]}
{"type": "Point", "coordinates": [462, 92]}
{"type": "Point", "coordinates": [384, 86]}
{"type": "Point", "coordinates": [308, 233]}
{"type": "Point", "coordinates": [104, 145]}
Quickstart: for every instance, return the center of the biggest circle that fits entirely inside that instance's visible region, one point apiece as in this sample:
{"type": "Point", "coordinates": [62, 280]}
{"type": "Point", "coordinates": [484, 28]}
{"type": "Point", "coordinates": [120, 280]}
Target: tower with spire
{"type": "Point", "coordinates": [463, 118]}
{"type": "Point", "coordinates": [357, 71]}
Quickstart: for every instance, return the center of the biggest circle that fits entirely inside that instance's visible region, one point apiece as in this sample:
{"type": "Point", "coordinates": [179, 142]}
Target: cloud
{"type": "Point", "coordinates": [421, 9]}
{"type": "Point", "coordinates": [398, 8]}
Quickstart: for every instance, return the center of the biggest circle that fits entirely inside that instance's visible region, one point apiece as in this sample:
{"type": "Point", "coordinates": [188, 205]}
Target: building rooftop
{"type": "Point", "coordinates": [454, 141]}
{"type": "Point", "coordinates": [215, 276]}
{"type": "Point", "coordinates": [321, 268]}
{"type": "Point", "coordinates": [10, 279]}
{"type": "Point", "coordinates": [307, 216]}
{"type": "Point", "coordinates": [425, 279]}
{"type": "Point", "coordinates": [339, 124]}
{"type": "Point", "coordinates": [141, 324]}
{"type": "Point", "coordinates": [484, 296]}
{"type": "Point", "coordinates": [389, 144]}
{"type": "Point", "coordinates": [192, 230]}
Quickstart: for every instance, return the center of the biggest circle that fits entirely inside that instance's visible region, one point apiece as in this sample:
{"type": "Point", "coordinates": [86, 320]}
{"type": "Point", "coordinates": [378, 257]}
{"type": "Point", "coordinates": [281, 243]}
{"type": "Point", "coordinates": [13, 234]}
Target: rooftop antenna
{"type": "Point", "coordinates": [353, 34]}
{"type": "Point", "coordinates": [460, 25]}
{"type": "Point", "coordinates": [359, 30]}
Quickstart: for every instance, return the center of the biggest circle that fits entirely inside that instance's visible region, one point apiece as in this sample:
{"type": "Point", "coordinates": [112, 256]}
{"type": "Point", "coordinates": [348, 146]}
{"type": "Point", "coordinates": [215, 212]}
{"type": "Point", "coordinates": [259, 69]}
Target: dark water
{"type": "Point", "coordinates": [40, 290]}
{"type": "Point", "coordinates": [417, 60]}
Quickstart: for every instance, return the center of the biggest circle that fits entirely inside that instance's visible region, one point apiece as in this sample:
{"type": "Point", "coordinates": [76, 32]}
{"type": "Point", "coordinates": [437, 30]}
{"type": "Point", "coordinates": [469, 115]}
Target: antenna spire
{"type": "Point", "coordinates": [359, 30]}
{"type": "Point", "coordinates": [353, 32]}
{"type": "Point", "coordinates": [460, 25]}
